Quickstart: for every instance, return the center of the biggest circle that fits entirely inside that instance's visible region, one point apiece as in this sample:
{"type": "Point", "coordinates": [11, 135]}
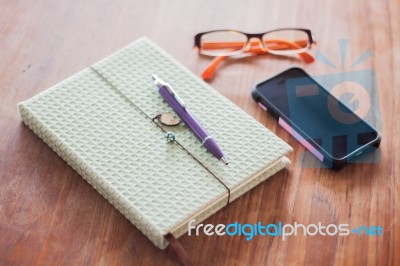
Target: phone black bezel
{"type": "Point", "coordinates": [335, 163]}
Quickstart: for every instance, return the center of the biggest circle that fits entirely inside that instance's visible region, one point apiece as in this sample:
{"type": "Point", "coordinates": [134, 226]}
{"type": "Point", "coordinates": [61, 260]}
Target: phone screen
{"type": "Point", "coordinates": [329, 125]}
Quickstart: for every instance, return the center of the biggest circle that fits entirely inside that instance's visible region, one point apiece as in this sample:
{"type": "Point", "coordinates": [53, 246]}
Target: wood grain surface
{"type": "Point", "coordinates": [49, 215]}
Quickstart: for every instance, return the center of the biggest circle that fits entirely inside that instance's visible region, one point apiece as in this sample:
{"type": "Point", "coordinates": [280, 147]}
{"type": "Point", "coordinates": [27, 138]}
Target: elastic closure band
{"type": "Point", "coordinates": [205, 167]}
{"type": "Point", "coordinates": [179, 250]}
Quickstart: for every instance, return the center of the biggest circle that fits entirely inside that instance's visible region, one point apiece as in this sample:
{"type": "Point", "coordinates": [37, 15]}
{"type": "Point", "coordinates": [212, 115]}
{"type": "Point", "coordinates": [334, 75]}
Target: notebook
{"type": "Point", "coordinates": [100, 122]}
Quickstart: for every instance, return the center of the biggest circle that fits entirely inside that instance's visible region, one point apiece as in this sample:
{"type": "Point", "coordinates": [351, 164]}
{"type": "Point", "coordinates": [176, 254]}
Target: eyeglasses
{"type": "Point", "coordinates": [223, 43]}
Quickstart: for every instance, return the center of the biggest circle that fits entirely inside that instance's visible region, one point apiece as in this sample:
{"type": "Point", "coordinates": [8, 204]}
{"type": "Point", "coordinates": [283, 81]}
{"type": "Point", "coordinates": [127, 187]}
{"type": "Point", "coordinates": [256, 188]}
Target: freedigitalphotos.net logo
{"type": "Point", "coordinates": [354, 85]}
{"type": "Point", "coordinates": [249, 231]}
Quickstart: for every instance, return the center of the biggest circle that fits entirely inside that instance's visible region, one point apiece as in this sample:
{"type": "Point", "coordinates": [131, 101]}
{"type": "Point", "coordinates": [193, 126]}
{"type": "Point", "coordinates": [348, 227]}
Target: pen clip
{"type": "Point", "coordinates": [170, 90]}
{"type": "Point", "coordinates": [173, 93]}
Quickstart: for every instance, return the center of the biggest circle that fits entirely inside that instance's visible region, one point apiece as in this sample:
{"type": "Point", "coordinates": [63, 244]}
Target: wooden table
{"type": "Point", "coordinates": [50, 215]}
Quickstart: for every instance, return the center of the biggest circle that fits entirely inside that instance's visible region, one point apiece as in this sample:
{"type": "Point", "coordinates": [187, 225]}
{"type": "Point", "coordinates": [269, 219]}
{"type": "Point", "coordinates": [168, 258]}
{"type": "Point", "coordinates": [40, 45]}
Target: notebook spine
{"type": "Point", "coordinates": [72, 159]}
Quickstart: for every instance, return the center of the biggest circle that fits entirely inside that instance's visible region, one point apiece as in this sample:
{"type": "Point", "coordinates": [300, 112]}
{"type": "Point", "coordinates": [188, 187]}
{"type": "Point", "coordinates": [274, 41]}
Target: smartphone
{"type": "Point", "coordinates": [311, 114]}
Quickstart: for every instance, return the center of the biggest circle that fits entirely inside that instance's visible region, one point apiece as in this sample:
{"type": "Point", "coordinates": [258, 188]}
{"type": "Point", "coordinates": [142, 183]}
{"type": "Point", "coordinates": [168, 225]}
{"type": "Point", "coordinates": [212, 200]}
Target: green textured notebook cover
{"type": "Point", "coordinates": [99, 122]}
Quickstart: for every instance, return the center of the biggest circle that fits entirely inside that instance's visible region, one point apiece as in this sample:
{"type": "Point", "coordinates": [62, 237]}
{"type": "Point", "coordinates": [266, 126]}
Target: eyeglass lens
{"type": "Point", "coordinates": [231, 42]}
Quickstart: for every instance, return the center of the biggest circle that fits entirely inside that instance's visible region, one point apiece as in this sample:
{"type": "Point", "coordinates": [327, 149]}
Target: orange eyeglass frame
{"type": "Point", "coordinates": [276, 46]}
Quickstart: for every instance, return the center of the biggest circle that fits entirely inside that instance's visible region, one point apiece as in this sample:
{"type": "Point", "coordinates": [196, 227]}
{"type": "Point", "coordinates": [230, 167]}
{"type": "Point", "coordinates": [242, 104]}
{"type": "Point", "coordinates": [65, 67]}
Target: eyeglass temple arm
{"type": "Point", "coordinates": [209, 71]}
{"type": "Point", "coordinates": [283, 44]}
{"type": "Point", "coordinates": [236, 45]}
{"type": "Point", "coordinates": [306, 57]}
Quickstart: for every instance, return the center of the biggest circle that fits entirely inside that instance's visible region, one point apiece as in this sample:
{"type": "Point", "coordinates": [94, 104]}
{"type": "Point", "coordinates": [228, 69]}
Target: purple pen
{"type": "Point", "coordinates": [179, 107]}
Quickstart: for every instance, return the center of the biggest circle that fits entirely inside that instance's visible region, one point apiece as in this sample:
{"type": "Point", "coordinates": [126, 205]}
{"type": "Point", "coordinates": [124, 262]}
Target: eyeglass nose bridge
{"type": "Point", "coordinates": [252, 40]}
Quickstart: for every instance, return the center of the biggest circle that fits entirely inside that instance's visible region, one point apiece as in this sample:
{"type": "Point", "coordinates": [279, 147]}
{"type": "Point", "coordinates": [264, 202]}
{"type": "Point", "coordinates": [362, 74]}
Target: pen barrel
{"type": "Point", "coordinates": [191, 122]}
{"type": "Point", "coordinates": [212, 146]}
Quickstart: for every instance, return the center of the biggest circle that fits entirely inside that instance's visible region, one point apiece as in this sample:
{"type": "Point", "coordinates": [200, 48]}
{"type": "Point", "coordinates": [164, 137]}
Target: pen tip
{"type": "Point", "coordinates": [224, 160]}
